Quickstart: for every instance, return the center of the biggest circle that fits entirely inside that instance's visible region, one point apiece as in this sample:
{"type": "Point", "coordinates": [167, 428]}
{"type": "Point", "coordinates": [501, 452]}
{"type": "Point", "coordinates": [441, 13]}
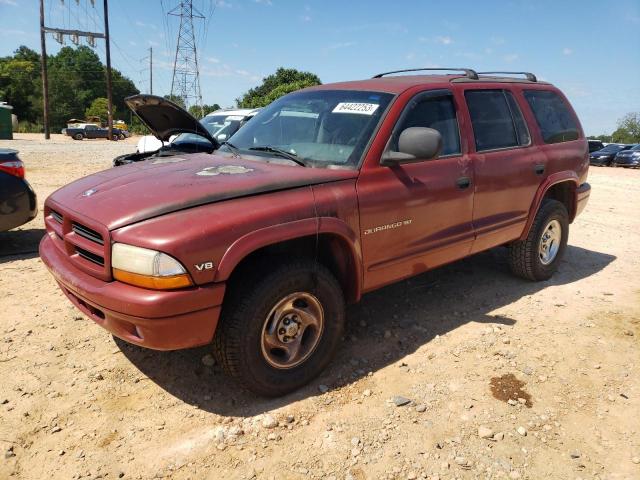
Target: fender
{"type": "Point", "coordinates": [264, 237]}
{"type": "Point", "coordinates": [550, 181]}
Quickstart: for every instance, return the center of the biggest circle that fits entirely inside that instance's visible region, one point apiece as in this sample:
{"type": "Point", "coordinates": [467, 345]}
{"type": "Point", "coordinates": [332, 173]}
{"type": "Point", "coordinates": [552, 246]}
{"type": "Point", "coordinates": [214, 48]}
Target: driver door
{"type": "Point", "coordinates": [416, 216]}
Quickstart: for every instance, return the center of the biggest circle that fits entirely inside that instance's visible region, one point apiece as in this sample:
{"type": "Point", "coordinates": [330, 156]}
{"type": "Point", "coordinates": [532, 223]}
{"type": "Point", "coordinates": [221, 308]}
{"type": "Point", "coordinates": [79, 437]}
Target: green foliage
{"type": "Point", "coordinates": [137, 127]}
{"type": "Point", "coordinates": [198, 112]}
{"type": "Point", "coordinates": [628, 130]}
{"type": "Point", "coordinates": [28, 127]}
{"type": "Point", "coordinates": [76, 78]}
{"type": "Point", "coordinates": [176, 99]}
{"type": "Point", "coordinates": [98, 108]}
{"type": "Point", "coordinates": [285, 80]}
{"type": "Point", "coordinates": [602, 138]}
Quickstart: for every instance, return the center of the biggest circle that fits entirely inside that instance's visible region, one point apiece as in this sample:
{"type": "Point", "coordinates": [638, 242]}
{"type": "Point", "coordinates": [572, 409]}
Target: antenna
{"type": "Point", "coordinates": [186, 76]}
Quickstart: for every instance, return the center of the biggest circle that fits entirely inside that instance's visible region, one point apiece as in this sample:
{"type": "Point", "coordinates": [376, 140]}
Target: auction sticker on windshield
{"type": "Point", "coordinates": [352, 107]}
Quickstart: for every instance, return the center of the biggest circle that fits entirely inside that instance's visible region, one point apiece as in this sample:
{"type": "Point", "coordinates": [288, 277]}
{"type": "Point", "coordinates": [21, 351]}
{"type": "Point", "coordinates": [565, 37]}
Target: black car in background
{"type": "Point", "coordinates": [18, 203]}
{"type": "Point", "coordinates": [628, 158]}
{"type": "Point", "coordinates": [605, 156]}
{"type": "Point", "coordinates": [595, 145]}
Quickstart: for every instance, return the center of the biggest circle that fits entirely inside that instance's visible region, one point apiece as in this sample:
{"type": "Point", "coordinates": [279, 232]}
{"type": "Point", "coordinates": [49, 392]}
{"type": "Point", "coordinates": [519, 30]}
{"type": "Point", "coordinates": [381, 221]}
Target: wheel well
{"type": "Point", "coordinates": [332, 251]}
{"type": "Point", "coordinates": [565, 193]}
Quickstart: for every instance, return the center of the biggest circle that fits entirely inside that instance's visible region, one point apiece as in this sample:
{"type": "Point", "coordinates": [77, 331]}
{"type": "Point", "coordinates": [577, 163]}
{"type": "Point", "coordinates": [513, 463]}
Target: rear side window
{"type": "Point", "coordinates": [437, 112]}
{"type": "Point", "coordinates": [556, 122]}
{"type": "Point", "coordinates": [496, 119]}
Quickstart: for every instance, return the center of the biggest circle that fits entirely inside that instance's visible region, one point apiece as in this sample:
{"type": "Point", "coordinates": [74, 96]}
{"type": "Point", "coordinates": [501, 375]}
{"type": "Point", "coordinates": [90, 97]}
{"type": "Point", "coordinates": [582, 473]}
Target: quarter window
{"type": "Point", "coordinates": [497, 120]}
{"type": "Point", "coordinates": [437, 112]}
{"type": "Point", "coordinates": [556, 122]}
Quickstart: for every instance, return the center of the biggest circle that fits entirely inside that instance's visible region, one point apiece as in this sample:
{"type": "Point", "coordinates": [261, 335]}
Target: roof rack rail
{"type": "Point", "coordinates": [528, 75]}
{"type": "Point", "coordinates": [467, 72]}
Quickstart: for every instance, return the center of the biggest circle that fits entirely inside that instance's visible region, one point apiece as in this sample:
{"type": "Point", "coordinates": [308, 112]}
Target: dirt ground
{"type": "Point", "coordinates": [504, 378]}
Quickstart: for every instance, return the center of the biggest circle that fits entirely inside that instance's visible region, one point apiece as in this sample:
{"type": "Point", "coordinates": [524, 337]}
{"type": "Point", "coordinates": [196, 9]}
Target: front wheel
{"type": "Point", "coordinates": [279, 330]}
{"type": "Point", "coordinates": [78, 136]}
{"type": "Point", "coordinates": [537, 257]}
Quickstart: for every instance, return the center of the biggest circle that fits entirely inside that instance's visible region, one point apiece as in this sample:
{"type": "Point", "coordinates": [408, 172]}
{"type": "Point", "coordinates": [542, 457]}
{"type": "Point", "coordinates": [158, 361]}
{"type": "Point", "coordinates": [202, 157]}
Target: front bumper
{"type": "Point", "coordinates": [161, 320]}
{"type": "Point", "coordinates": [599, 160]}
{"type": "Point", "coordinates": [582, 197]}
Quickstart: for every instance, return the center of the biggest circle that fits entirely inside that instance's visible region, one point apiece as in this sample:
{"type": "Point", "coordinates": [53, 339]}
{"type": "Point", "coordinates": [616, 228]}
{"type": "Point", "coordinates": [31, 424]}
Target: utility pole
{"type": "Point", "coordinates": [45, 77]}
{"type": "Point", "coordinates": [109, 86]}
{"type": "Point", "coordinates": [74, 34]}
{"type": "Point", "coordinates": [151, 70]}
{"type": "Point", "coordinates": [186, 76]}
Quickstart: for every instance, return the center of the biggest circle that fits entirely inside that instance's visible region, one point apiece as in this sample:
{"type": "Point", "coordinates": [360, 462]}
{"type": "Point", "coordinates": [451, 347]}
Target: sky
{"type": "Point", "coordinates": [590, 49]}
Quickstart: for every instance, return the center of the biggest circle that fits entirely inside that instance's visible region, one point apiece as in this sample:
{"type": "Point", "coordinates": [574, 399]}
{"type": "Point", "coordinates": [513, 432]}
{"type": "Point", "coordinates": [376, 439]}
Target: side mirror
{"type": "Point", "coordinates": [415, 144]}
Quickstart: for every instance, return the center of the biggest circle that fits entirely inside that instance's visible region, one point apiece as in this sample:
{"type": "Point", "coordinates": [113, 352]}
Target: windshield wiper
{"type": "Point", "coordinates": [235, 150]}
{"type": "Point", "coordinates": [283, 153]}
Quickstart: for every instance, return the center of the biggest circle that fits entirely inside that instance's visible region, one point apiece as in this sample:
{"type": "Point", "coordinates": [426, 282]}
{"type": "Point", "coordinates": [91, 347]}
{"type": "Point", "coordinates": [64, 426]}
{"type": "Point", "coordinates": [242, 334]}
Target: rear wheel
{"type": "Point", "coordinates": [78, 136]}
{"type": "Point", "coordinates": [538, 256]}
{"type": "Point", "coordinates": [121, 136]}
{"type": "Point", "coordinates": [279, 330]}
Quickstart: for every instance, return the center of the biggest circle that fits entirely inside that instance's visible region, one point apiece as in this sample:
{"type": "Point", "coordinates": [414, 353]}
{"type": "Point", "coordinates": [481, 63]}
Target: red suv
{"type": "Point", "coordinates": [328, 193]}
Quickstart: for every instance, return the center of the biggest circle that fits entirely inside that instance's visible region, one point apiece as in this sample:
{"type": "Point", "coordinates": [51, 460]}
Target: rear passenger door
{"type": "Point", "coordinates": [508, 167]}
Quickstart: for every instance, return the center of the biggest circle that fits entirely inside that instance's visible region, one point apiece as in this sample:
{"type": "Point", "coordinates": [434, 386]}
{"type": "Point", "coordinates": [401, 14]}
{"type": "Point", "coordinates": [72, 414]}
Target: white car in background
{"type": "Point", "coordinates": [221, 124]}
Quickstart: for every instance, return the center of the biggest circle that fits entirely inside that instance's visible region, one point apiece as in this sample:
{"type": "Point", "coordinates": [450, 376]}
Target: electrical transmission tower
{"type": "Point", "coordinates": [186, 76]}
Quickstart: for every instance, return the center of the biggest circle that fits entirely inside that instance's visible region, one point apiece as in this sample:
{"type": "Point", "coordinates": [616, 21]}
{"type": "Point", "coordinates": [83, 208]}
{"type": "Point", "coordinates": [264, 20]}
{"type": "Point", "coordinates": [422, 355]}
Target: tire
{"type": "Point", "coordinates": [248, 312]}
{"type": "Point", "coordinates": [114, 138]}
{"type": "Point", "coordinates": [526, 258]}
{"type": "Point", "coordinates": [78, 136]}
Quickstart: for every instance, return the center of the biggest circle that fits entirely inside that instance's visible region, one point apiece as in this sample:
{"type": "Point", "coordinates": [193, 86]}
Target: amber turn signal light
{"type": "Point", "coordinates": [170, 282]}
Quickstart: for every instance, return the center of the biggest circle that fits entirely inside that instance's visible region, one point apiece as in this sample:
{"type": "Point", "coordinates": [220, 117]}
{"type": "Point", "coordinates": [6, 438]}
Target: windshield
{"type": "Point", "coordinates": [636, 148]}
{"type": "Point", "coordinates": [318, 128]}
{"type": "Point", "coordinates": [612, 148]}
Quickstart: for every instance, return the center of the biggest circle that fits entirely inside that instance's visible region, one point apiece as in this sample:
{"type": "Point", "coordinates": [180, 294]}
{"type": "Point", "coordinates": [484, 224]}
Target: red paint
{"type": "Point", "coordinates": [224, 218]}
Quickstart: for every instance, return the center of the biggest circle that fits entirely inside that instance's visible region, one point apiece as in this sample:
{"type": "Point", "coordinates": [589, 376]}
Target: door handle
{"type": "Point", "coordinates": [539, 169]}
{"type": "Point", "coordinates": [463, 182]}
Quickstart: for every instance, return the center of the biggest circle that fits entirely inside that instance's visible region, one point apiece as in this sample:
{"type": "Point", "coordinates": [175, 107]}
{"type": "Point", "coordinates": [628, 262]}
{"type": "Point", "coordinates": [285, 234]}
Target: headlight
{"type": "Point", "coordinates": [147, 268]}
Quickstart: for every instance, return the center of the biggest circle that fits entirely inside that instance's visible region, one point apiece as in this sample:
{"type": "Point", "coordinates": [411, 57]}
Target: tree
{"type": "Point", "coordinates": [285, 80]}
{"type": "Point", "coordinates": [602, 138]}
{"type": "Point", "coordinates": [98, 108]}
{"type": "Point", "coordinates": [178, 100]}
{"type": "Point", "coordinates": [198, 112]}
{"type": "Point", "coordinates": [76, 79]}
{"type": "Point", "coordinates": [628, 130]}
{"type": "Point", "coordinates": [20, 84]}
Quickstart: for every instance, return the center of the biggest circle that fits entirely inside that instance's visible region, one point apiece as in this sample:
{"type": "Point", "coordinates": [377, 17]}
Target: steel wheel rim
{"type": "Point", "coordinates": [550, 242]}
{"type": "Point", "coordinates": [292, 330]}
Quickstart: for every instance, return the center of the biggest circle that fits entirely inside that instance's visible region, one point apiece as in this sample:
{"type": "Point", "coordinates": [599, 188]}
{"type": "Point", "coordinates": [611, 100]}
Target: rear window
{"type": "Point", "coordinates": [553, 116]}
{"type": "Point", "coordinates": [496, 119]}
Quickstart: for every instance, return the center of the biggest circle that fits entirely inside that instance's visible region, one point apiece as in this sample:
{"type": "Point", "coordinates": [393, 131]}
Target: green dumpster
{"type": "Point", "coordinates": [6, 128]}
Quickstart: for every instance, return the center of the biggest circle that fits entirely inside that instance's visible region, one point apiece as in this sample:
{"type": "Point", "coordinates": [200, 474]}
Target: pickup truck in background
{"type": "Point", "coordinates": [89, 130]}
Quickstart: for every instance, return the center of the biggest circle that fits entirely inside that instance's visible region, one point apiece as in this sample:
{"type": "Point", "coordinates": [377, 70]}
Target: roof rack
{"type": "Point", "coordinates": [529, 76]}
{"type": "Point", "coordinates": [467, 72]}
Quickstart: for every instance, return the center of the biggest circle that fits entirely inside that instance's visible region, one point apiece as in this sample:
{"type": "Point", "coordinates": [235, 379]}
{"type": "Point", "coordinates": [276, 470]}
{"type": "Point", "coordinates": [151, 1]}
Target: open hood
{"type": "Point", "coordinates": [164, 118]}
